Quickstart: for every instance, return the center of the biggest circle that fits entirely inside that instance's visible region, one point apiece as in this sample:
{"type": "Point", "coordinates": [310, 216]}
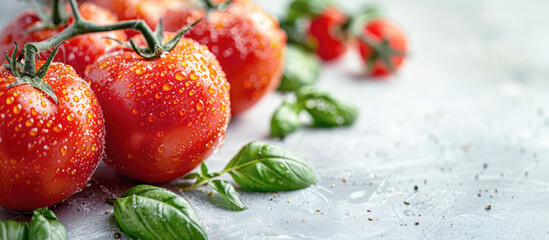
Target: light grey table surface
{"type": "Point", "coordinates": [466, 121]}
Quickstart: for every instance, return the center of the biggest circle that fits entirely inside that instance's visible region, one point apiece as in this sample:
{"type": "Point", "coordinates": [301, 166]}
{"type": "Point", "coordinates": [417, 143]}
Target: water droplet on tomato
{"type": "Point", "coordinates": [17, 109]}
{"type": "Point", "coordinates": [129, 95]}
{"type": "Point", "coordinates": [167, 86]}
{"type": "Point", "coordinates": [9, 100]}
{"type": "Point", "coordinates": [33, 131]}
{"type": "Point", "coordinates": [58, 128]}
{"type": "Point", "coordinates": [199, 105]}
{"type": "Point", "coordinates": [63, 150]}
{"type": "Point", "coordinates": [179, 76]}
{"type": "Point", "coordinates": [70, 117]}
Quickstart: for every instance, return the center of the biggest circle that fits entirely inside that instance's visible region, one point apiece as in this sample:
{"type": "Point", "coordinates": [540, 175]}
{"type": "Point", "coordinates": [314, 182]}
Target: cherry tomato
{"type": "Point", "coordinates": [327, 35]}
{"type": "Point", "coordinates": [149, 11]}
{"type": "Point", "coordinates": [246, 40]}
{"type": "Point", "coordinates": [390, 46]}
{"type": "Point", "coordinates": [48, 151]}
{"type": "Point", "coordinates": [79, 52]}
{"type": "Point", "coordinates": [163, 116]}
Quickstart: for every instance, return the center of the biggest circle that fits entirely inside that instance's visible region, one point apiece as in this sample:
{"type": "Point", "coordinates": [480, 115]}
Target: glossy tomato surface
{"type": "Point", "coordinates": [48, 152]}
{"type": "Point", "coordinates": [376, 31]}
{"type": "Point", "coordinates": [164, 116]}
{"type": "Point", "coordinates": [79, 51]}
{"type": "Point", "coordinates": [148, 10]}
{"type": "Point", "coordinates": [246, 40]}
{"type": "Point", "coordinates": [326, 34]}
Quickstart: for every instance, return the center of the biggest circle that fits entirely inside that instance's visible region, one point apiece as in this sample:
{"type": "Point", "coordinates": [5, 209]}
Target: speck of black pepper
{"type": "Point", "coordinates": [488, 207]}
{"type": "Point", "coordinates": [485, 165]}
{"type": "Point", "coordinates": [417, 223]}
{"type": "Point", "coordinates": [415, 188]}
{"type": "Point", "coordinates": [117, 235]}
{"type": "Point", "coordinates": [406, 202]}
{"type": "Point", "coordinates": [478, 195]}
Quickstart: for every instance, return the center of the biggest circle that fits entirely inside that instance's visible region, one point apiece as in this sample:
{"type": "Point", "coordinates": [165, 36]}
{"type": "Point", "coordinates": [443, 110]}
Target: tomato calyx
{"type": "Point", "coordinates": [210, 6]}
{"type": "Point", "coordinates": [26, 73]}
{"type": "Point", "coordinates": [381, 51]}
{"type": "Point", "coordinates": [158, 49]}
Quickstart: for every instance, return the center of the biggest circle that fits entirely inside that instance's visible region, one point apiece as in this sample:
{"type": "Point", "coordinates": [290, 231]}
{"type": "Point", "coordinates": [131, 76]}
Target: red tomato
{"type": "Point", "coordinates": [148, 10]}
{"type": "Point", "coordinates": [377, 31]}
{"type": "Point", "coordinates": [247, 41]}
{"type": "Point", "coordinates": [327, 35]}
{"type": "Point", "coordinates": [48, 152]}
{"type": "Point", "coordinates": [79, 52]}
{"type": "Point", "coordinates": [163, 116]}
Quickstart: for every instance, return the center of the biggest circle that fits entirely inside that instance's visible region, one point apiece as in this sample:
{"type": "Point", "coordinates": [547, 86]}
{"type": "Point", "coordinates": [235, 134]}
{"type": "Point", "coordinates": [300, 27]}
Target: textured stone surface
{"type": "Point", "coordinates": [466, 121]}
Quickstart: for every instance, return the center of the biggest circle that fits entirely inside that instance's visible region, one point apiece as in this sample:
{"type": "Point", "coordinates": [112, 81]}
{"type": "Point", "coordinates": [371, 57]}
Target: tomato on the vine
{"type": "Point", "coordinates": [48, 151]}
{"type": "Point", "coordinates": [163, 116]}
{"type": "Point", "coordinates": [246, 40]}
{"type": "Point", "coordinates": [79, 51]}
{"type": "Point", "coordinates": [327, 33]}
{"type": "Point", "coordinates": [382, 46]}
{"type": "Point", "coordinates": [147, 10]}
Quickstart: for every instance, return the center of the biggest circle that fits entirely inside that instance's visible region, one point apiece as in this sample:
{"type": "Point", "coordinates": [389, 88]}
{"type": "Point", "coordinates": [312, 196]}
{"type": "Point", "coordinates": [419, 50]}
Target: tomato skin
{"type": "Point", "coordinates": [164, 116]}
{"type": "Point", "coordinates": [246, 40]}
{"type": "Point", "coordinates": [79, 51]}
{"type": "Point", "coordinates": [48, 152]}
{"type": "Point", "coordinates": [326, 35]}
{"type": "Point", "coordinates": [376, 30]}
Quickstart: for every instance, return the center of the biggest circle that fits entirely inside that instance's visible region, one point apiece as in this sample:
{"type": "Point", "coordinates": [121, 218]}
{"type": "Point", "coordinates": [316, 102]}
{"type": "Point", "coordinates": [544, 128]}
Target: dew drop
{"type": "Point", "coordinates": [140, 70]}
{"type": "Point", "coordinates": [58, 128]}
{"type": "Point", "coordinates": [129, 95]}
{"type": "Point", "coordinates": [70, 117]}
{"type": "Point", "coordinates": [63, 150]}
{"type": "Point", "coordinates": [33, 131]}
{"type": "Point", "coordinates": [17, 109]}
{"type": "Point", "coordinates": [76, 99]}
{"type": "Point", "coordinates": [94, 147]}
{"type": "Point", "coordinates": [161, 149]}
{"type": "Point", "coordinates": [179, 76]}
{"type": "Point", "coordinates": [29, 122]}
{"type": "Point", "coordinates": [10, 100]}
{"type": "Point", "coordinates": [199, 105]}
{"type": "Point", "coordinates": [194, 77]}
{"type": "Point", "coordinates": [167, 86]}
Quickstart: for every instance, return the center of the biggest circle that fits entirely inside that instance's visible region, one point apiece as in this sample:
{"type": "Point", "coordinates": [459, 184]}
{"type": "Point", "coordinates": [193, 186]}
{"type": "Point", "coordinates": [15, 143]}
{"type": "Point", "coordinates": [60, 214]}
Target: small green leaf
{"type": "Point", "coordinates": [45, 226]}
{"type": "Point", "coordinates": [228, 192]}
{"type": "Point", "coordinates": [192, 176]}
{"type": "Point", "coordinates": [265, 168]}
{"type": "Point", "coordinates": [203, 169]}
{"type": "Point", "coordinates": [326, 110]}
{"type": "Point", "coordinates": [302, 68]}
{"type": "Point", "coordinates": [286, 119]}
{"type": "Point", "coordinates": [149, 212]}
{"type": "Point", "coordinates": [13, 230]}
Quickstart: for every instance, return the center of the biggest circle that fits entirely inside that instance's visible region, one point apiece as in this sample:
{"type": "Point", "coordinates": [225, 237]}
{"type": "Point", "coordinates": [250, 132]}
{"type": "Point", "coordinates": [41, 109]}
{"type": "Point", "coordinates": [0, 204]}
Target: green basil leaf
{"type": "Point", "coordinates": [266, 168]}
{"type": "Point", "coordinates": [326, 110]}
{"type": "Point", "coordinates": [45, 226]}
{"type": "Point", "coordinates": [227, 190]}
{"type": "Point", "coordinates": [13, 230]}
{"type": "Point", "coordinates": [192, 176]}
{"type": "Point", "coordinates": [286, 119]}
{"type": "Point", "coordinates": [301, 68]}
{"type": "Point", "coordinates": [149, 212]}
{"type": "Point", "coordinates": [203, 169]}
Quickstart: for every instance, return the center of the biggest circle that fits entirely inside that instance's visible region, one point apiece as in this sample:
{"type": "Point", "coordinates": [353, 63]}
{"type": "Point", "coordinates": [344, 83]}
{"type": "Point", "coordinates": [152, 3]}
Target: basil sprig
{"type": "Point", "coordinates": [149, 212]}
{"type": "Point", "coordinates": [258, 167]}
{"type": "Point", "coordinates": [326, 111]}
{"type": "Point", "coordinates": [43, 225]}
{"type": "Point", "coordinates": [301, 68]}
{"type": "Point", "coordinates": [14, 230]}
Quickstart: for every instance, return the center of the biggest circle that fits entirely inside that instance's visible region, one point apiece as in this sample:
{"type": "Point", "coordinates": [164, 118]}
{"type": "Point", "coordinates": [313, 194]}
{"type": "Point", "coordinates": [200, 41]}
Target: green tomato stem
{"type": "Point", "coordinates": [58, 15]}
